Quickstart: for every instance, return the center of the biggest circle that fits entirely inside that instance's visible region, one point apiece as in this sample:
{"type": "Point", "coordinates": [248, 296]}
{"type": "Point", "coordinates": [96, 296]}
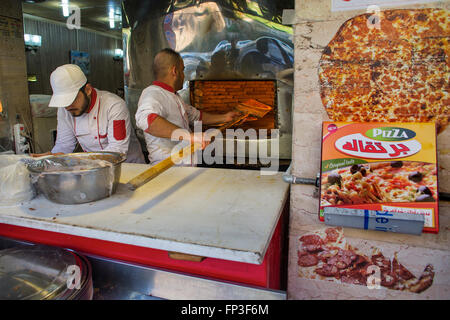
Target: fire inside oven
{"type": "Point", "coordinates": [221, 96]}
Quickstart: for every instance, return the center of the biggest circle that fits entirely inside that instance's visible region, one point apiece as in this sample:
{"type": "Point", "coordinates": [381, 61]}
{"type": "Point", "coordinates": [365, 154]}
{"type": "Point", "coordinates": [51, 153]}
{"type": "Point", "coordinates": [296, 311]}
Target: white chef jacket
{"type": "Point", "coordinates": [105, 126]}
{"type": "Point", "coordinates": [160, 99]}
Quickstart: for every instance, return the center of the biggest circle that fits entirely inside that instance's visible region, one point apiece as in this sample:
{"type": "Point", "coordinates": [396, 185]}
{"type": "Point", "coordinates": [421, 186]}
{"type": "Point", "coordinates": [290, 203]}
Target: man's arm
{"type": "Point", "coordinates": [162, 128]}
{"type": "Point", "coordinates": [65, 136]}
{"type": "Point", "coordinates": [208, 118]}
{"type": "Point", "coordinates": [212, 118]}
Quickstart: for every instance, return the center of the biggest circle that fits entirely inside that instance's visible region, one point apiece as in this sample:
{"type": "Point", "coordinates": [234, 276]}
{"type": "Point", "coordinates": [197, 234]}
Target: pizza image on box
{"type": "Point", "coordinates": [380, 166]}
{"type": "Point", "coordinates": [393, 181]}
{"type": "Point", "coordinates": [326, 255]}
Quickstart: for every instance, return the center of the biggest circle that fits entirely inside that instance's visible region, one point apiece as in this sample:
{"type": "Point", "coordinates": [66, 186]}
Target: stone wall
{"type": "Point", "coordinates": [314, 27]}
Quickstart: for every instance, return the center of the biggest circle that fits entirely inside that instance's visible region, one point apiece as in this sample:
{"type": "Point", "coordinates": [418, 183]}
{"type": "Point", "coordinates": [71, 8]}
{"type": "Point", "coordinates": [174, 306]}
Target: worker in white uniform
{"type": "Point", "coordinates": [97, 120]}
{"type": "Point", "coordinates": [161, 111]}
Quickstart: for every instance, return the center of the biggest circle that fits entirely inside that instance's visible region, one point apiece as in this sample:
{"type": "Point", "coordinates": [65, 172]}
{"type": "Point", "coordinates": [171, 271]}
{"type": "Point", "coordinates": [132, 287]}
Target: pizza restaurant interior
{"type": "Point", "coordinates": [331, 174]}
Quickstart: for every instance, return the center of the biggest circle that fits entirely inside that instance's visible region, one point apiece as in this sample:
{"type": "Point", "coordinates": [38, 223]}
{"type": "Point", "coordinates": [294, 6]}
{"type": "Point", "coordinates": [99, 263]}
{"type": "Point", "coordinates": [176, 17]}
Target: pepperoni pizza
{"type": "Point", "coordinates": [398, 72]}
{"type": "Point", "coordinates": [382, 182]}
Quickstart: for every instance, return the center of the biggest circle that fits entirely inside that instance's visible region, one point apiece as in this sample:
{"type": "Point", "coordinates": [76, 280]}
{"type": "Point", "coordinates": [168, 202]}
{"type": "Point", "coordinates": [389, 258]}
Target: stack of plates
{"type": "Point", "coordinates": [38, 272]}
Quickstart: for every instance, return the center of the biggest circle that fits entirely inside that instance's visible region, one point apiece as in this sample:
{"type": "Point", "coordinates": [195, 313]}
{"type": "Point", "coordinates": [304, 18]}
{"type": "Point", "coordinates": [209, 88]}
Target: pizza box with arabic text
{"type": "Point", "coordinates": [385, 167]}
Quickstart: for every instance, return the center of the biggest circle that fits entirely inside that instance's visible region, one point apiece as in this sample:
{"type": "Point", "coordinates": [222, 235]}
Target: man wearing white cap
{"type": "Point", "coordinates": [97, 120]}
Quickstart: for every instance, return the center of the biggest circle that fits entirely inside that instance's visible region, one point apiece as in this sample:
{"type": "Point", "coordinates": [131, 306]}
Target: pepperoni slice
{"type": "Point", "coordinates": [327, 271]}
{"type": "Point", "coordinates": [342, 259]}
{"type": "Point", "coordinates": [339, 261]}
{"type": "Point", "coordinates": [348, 254]}
{"type": "Point", "coordinates": [360, 260]}
{"type": "Point", "coordinates": [380, 261]}
{"type": "Point", "coordinates": [307, 260]}
{"type": "Point", "coordinates": [312, 247]}
{"type": "Point", "coordinates": [388, 279]}
{"type": "Point", "coordinates": [401, 271]}
{"type": "Point", "coordinates": [365, 270]}
{"type": "Point", "coordinates": [325, 255]}
{"type": "Point", "coordinates": [332, 234]}
{"type": "Point", "coordinates": [301, 252]}
{"type": "Point", "coordinates": [311, 239]}
{"type": "Point", "coordinates": [353, 277]}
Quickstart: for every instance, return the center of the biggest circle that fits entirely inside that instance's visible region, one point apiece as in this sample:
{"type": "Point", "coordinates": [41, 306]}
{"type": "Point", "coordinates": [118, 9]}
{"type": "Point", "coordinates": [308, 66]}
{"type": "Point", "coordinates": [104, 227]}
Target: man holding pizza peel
{"type": "Point", "coordinates": [161, 111]}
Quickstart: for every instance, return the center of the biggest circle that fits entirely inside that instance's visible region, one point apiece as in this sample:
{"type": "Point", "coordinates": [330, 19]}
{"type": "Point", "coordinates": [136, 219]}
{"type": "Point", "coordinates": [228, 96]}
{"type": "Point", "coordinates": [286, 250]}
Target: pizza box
{"type": "Point", "coordinates": [385, 167]}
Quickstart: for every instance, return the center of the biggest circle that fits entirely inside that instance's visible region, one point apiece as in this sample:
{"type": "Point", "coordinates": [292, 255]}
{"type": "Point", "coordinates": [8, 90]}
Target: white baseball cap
{"type": "Point", "coordinates": [66, 81]}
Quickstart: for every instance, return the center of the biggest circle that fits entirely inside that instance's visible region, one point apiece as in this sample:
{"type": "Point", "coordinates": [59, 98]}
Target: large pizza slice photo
{"type": "Point", "coordinates": [325, 254]}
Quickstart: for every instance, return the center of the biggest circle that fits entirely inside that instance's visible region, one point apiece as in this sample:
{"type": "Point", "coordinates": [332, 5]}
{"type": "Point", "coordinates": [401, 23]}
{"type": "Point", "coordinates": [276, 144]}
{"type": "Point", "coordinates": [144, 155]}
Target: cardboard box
{"type": "Point", "coordinates": [381, 166]}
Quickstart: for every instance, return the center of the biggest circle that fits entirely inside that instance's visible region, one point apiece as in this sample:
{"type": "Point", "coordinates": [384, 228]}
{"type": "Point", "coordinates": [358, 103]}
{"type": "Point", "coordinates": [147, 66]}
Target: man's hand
{"type": "Point", "coordinates": [230, 116]}
{"type": "Point", "coordinates": [202, 139]}
{"type": "Point", "coordinates": [215, 118]}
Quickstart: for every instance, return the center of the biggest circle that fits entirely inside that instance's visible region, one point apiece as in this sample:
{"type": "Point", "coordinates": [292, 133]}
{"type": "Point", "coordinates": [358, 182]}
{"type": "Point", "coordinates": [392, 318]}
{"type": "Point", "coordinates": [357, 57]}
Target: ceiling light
{"type": "Point", "coordinates": [118, 53]}
{"type": "Point", "coordinates": [32, 40]}
{"type": "Point", "coordinates": [36, 40]}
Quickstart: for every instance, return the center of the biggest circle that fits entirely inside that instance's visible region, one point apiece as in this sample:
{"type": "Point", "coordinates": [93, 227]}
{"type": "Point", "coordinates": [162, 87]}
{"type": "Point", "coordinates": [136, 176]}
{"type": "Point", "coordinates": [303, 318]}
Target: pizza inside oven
{"type": "Point", "coordinates": [325, 255]}
{"type": "Point", "coordinates": [381, 182]}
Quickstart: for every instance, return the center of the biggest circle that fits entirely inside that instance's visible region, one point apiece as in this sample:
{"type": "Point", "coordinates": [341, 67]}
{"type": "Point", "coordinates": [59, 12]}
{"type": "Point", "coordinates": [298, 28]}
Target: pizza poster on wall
{"type": "Point", "coordinates": [395, 68]}
{"type": "Point", "coordinates": [381, 166]}
{"type": "Point", "coordinates": [376, 269]}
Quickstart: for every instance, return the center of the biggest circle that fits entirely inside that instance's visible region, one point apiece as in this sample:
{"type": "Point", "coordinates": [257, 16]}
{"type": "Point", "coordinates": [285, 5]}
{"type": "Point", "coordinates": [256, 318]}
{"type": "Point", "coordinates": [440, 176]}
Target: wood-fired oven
{"type": "Point", "coordinates": [273, 131]}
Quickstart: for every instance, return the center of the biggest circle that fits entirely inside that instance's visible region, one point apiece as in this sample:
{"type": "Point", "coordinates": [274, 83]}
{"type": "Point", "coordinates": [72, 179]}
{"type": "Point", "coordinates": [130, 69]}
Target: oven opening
{"type": "Point", "coordinates": [221, 96]}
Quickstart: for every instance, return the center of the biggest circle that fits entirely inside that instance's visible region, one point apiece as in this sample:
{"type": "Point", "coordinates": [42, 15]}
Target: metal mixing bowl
{"type": "Point", "coordinates": [83, 185]}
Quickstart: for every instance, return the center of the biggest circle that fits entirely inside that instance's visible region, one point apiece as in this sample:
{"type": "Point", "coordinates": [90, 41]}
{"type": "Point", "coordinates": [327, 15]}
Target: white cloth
{"type": "Point", "coordinates": [15, 181]}
{"type": "Point", "coordinates": [169, 106]}
{"type": "Point", "coordinates": [101, 129]}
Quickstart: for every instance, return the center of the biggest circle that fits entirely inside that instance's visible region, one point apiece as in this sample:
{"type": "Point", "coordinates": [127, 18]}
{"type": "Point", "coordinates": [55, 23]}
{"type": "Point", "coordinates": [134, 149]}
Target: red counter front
{"type": "Point", "coordinates": [265, 275]}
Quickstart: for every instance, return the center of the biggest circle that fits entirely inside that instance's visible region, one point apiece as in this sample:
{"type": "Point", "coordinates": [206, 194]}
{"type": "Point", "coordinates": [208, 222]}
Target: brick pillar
{"type": "Point", "coordinates": [13, 73]}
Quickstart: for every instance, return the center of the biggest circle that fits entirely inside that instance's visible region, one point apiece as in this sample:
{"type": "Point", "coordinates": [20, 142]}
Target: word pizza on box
{"type": "Point", "coordinates": [381, 166]}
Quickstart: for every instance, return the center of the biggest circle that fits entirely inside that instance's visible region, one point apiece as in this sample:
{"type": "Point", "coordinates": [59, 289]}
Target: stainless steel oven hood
{"type": "Point", "coordinates": [217, 40]}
